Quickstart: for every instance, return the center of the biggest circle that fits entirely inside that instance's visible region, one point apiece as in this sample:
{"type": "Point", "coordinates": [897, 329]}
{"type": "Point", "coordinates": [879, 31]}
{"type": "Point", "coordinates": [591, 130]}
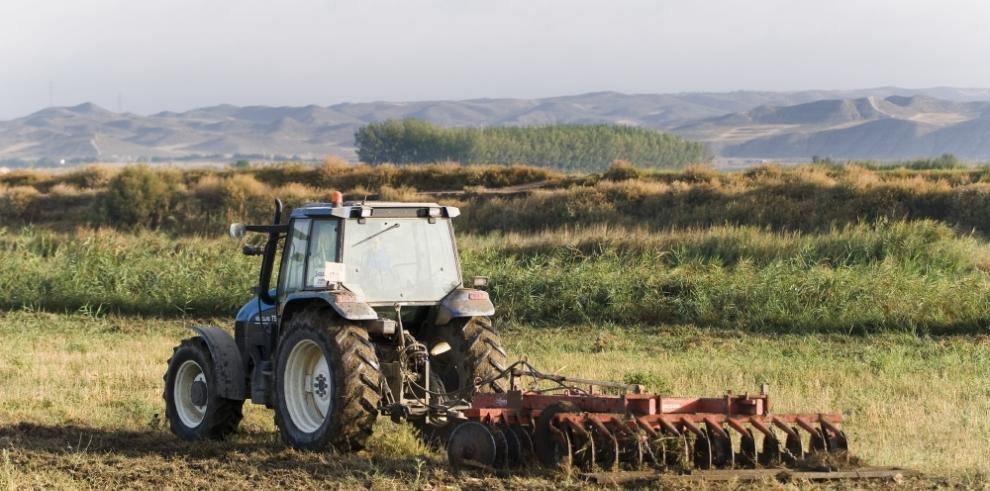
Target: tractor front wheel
{"type": "Point", "coordinates": [194, 409]}
{"type": "Point", "coordinates": [327, 385]}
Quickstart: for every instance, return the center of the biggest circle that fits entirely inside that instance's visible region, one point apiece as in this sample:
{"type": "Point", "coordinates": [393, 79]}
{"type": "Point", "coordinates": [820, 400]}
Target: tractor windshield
{"type": "Point", "coordinates": [400, 259]}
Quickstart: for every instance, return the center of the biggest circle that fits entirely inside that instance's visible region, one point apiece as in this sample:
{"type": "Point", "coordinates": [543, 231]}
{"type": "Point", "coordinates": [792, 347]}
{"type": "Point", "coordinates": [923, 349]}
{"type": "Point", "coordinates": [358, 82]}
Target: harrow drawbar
{"type": "Point", "coordinates": [635, 431]}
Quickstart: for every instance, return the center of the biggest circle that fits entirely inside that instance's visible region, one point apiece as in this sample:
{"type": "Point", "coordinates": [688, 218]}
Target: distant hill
{"type": "Point", "coordinates": [895, 127]}
{"type": "Point", "coordinates": [881, 123]}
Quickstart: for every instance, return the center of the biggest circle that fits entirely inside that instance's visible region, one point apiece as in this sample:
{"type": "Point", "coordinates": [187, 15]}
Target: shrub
{"type": "Point", "coordinates": [139, 197]}
{"type": "Point", "coordinates": [242, 194]}
{"type": "Point", "coordinates": [16, 201]}
{"type": "Point", "coordinates": [621, 170]}
{"type": "Point", "coordinates": [22, 178]}
{"type": "Point", "coordinates": [651, 381]}
{"type": "Point", "coordinates": [89, 177]}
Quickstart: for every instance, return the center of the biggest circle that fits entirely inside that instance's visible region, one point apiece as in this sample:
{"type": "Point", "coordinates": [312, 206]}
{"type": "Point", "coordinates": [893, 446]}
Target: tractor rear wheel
{"type": "Point", "coordinates": [475, 352]}
{"type": "Point", "coordinates": [327, 383]}
{"type": "Point", "coordinates": [194, 409]}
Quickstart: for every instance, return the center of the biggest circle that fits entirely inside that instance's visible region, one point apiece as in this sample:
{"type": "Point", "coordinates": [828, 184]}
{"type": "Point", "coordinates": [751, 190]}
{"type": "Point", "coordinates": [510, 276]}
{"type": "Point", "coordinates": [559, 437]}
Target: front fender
{"type": "Point", "coordinates": [459, 303]}
{"type": "Point", "coordinates": [345, 304]}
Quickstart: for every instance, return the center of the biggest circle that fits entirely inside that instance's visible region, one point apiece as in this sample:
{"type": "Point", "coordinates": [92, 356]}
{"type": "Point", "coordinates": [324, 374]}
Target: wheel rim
{"type": "Point", "coordinates": [189, 375]}
{"type": "Point", "coordinates": [308, 386]}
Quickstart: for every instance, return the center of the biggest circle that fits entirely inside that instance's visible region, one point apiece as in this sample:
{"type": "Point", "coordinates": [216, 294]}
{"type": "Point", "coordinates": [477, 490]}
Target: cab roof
{"type": "Point", "coordinates": [365, 209]}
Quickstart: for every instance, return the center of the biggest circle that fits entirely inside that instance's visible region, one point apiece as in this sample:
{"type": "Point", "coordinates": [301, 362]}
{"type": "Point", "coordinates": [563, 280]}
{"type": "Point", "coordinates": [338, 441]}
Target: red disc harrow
{"type": "Point", "coordinates": [577, 427]}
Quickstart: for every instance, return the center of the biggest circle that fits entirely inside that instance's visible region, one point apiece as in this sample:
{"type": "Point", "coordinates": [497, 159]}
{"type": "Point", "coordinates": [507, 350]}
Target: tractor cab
{"type": "Point", "coordinates": [380, 253]}
{"type": "Point", "coordinates": [357, 303]}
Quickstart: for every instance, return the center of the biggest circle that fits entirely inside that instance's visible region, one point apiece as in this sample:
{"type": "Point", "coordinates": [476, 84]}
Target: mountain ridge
{"type": "Point", "coordinates": [739, 124]}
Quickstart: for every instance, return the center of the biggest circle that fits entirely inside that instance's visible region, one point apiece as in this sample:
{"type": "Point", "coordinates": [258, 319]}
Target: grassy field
{"type": "Point", "coordinates": [906, 276]}
{"type": "Point", "coordinates": [81, 403]}
{"type": "Point", "coordinates": [858, 289]}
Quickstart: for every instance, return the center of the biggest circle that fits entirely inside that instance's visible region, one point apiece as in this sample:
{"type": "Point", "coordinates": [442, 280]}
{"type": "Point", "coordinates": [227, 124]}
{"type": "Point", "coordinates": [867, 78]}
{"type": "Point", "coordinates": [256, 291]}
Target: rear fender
{"type": "Point", "coordinates": [346, 305]}
{"type": "Point", "coordinates": [228, 368]}
{"type": "Point", "coordinates": [459, 303]}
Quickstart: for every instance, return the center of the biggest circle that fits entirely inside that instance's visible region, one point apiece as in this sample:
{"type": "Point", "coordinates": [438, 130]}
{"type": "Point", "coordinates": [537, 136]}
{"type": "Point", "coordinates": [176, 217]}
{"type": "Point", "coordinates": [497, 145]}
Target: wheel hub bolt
{"type": "Point", "coordinates": [320, 385]}
{"type": "Point", "coordinates": [198, 393]}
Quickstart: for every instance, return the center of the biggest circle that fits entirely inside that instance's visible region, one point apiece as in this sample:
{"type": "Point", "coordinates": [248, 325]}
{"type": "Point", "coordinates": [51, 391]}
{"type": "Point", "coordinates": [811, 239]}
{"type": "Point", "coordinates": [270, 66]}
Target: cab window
{"type": "Point", "coordinates": [294, 258]}
{"type": "Point", "coordinates": [322, 249]}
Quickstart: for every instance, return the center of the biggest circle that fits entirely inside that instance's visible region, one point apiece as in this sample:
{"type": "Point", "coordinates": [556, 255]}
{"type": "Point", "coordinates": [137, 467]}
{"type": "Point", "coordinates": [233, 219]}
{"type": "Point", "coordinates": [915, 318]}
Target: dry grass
{"type": "Point", "coordinates": [81, 404]}
{"type": "Point", "coordinates": [812, 197]}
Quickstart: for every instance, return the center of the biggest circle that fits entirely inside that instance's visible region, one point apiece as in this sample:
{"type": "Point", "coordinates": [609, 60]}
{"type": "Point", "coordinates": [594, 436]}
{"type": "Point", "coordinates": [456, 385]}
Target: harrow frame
{"type": "Point", "coordinates": [582, 425]}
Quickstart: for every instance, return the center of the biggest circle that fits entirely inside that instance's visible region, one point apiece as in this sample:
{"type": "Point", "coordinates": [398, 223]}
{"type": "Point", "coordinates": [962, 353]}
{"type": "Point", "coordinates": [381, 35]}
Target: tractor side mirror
{"type": "Point", "coordinates": [236, 230]}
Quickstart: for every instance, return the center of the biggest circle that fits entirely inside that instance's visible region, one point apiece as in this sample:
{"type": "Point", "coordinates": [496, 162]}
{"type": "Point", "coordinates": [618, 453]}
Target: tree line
{"type": "Point", "coordinates": [570, 147]}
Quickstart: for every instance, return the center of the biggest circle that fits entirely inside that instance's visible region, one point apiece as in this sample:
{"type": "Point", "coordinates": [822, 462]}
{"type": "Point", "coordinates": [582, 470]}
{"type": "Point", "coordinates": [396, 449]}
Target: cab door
{"type": "Point", "coordinates": [293, 267]}
{"type": "Point", "coordinates": [310, 245]}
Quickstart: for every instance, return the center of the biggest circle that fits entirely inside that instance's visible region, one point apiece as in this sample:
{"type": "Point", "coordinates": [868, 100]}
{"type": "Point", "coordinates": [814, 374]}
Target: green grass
{"type": "Point", "coordinates": [81, 405]}
{"type": "Point", "coordinates": [919, 277]}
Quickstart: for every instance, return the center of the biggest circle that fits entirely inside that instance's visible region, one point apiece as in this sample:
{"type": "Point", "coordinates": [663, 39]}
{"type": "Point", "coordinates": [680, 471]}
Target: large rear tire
{"type": "Point", "coordinates": [327, 383]}
{"type": "Point", "coordinates": [194, 409]}
{"type": "Point", "coordinates": [475, 353]}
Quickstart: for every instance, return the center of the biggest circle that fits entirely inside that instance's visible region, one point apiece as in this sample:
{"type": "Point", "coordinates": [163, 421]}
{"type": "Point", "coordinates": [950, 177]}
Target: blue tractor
{"type": "Point", "coordinates": [368, 315]}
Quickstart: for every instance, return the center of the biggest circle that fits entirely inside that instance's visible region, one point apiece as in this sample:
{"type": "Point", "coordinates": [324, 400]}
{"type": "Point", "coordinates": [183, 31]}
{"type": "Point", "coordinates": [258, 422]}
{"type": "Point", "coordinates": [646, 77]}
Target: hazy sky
{"type": "Point", "coordinates": [180, 54]}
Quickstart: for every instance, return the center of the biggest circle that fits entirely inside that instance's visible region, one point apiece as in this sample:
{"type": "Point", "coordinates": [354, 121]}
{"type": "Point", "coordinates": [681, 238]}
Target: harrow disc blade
{"type": "Point", "coordinates": [564, 452]}
{"type": "Point", "coordinates": [656, 451]}
{"type": "Point", "coordinates": [836, 440]}
{"type": "Point", "coordinates": [702, 452]}
{"type": "Point", "coordinates": [606, 450]}
{"type": "Point", "coordinates": [678, 452]}
{"type": "Point", "coordinates": [471, 445]}
{"type": "Point", "coordinates": [632, 452]}
{"type": "Point", "coordinates": [747, 450]}
{"type": "Point", "coordinates": [721, 447]}
{"type": "Point", "coordinates": [817, 443]}
{"type": "Point", "coordinates": [552, 446]}
{"type": "Point", "coordinates": [582, 448]}
{"type": "Point", "coordinates": [770, 455]}
{"type": "Point", "coordinates": [526, 453]}
{"type": "Point", "coordinates": [793, 451]}
{"type": "Point", "coordinates": [502, 448]}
